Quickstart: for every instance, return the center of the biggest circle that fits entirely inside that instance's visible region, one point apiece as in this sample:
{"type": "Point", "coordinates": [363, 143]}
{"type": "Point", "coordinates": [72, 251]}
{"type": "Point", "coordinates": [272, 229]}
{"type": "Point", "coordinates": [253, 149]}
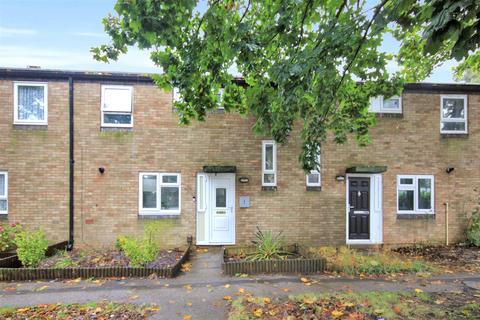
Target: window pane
{"type": "Point", "coordinates": [405, 200]}
{"type": "Point", "coordinates": [406, 181]}
{"type": "Point", "coordinates": [2, 185]}
{"type": "Point", "coordinates": [221, 197]}
{"type": "Point", "coordinates": [453, 126]}
{"type": "Point", "coordinates": [268, 157]}
{"type": "Point", "coordinates": [313, 178]}
{"type": "Point", "coordinates": [201, 193]}
{"type": "Point", "coordinates": [170, 198]}
{"type": "Point", "coordinates": [453, 108]}
{"type": "Point", "coordinates": [31, 103]}
{"type": "Point", "coordinates": [114, 118]}
{"type": "Point", "coordinates": [3, 205]}
{"type": "Point", "coordinates": [424, 194]}
{"type": "Point", "coordinates": [117, 99]}
{"type": "Point", "coordinates": [269, 178]}
{"type": "Point", "coordinates": [149, 184]}
{"type": "Point", "coordinates": [393, 104]}
{"type": "Point", "coordinates": [169, 179]}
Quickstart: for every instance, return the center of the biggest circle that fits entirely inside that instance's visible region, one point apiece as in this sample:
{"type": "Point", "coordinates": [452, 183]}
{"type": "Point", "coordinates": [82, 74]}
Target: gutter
{"type": "Point", "coordinates": [72, 165]}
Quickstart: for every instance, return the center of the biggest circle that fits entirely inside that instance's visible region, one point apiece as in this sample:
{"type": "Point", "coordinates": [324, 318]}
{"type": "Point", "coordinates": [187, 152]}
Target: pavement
{"type": "Point", "coordinates": [200, 292]}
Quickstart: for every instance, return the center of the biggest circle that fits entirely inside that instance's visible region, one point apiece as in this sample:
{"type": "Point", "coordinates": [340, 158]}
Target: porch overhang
{"type": "Point", "coordinates": [366, 169]}
{"type": "Point", "coordinates": [219, 169]}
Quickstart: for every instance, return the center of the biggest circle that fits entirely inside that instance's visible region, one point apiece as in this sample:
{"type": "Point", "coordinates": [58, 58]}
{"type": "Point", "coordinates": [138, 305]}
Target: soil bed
{"type": "Point", "coordinates": [92, 258]}
{"type": "Point", "coordinates": [455, 257]}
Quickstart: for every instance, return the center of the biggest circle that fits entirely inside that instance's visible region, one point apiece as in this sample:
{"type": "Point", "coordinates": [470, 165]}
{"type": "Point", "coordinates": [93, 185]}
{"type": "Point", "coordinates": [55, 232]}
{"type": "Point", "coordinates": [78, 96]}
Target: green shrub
{"type": "Point", "coordinates": [8, 233]}
{"type": "Point", "coordinates": [31, 247]}
{"type": "Point", "coordinates": [139, 251]}
{"type": "Point", "coordinates": [268, 246]}
{"type": "Point", "coordinates": [473, 227]}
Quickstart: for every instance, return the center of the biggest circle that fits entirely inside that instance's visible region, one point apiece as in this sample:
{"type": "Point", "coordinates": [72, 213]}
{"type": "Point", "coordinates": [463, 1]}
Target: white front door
{"type": "Point", "coordinates": [216, 208]}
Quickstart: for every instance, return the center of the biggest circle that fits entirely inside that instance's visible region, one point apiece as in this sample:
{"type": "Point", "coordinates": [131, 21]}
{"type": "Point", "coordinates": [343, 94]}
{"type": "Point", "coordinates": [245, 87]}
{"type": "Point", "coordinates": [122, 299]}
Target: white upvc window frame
{"type": "Point", "coordinates": [381, 102]}
{"type": "Point", "coordinates": [315, 172]}
{"type": "Point", "coordinates": [102, 111]}
{"type": "Point", "coordinates": [455, 120]}
{"type": "Point", "coordinates": [5, 196]}
{"type": "Point", "coordinates": [44, 85]}
{"type": "Point", "coordinates": [414, 187]}
{"type": "Point", "coordinates": [273, 171]}
{"type": "Point", "coordinates": [158, 209]}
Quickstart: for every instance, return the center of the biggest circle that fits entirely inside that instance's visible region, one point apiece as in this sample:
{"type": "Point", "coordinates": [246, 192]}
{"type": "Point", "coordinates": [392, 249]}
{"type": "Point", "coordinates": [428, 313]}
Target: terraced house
{"type": "Point", "coordinates": [93, 155]}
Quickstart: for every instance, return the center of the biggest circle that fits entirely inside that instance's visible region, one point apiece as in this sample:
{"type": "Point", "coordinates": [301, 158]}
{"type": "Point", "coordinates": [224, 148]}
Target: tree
{"type": "Point", "coordinates": [310, 63]}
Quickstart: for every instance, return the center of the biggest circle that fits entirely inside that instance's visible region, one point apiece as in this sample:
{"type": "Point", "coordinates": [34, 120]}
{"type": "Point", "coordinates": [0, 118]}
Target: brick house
{"type": "Point", "coordinates": [95, 155]}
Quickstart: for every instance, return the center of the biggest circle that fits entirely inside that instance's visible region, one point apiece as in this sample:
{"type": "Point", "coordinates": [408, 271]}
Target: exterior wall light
{"type": "Point", "coordinates": [340, 178]}
{"type": "Point", "coordinates": [243, 179]}
{"type": "Point", "coordinates": [101, 170]}
{"type": "Point", "coordinates": [448, 170]}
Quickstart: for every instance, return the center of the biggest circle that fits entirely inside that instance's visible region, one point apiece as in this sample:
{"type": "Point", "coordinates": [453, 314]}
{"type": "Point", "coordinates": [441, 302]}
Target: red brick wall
{"type": "Point", "coordinates": [107, 205]}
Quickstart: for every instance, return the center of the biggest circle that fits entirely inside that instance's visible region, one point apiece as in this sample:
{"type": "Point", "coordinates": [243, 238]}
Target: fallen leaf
{"type": "Point", "coordinates": [226, 286]}
{"type": "Point", "coordinates": [189, 304]}
{"type": "Point", "coordinates": [286, 289]}
{"type": "Point", "coordinates": [337, 314]}
{"type": "Point", "coordinates": [241, 290]}
{"type": "Point", "coordinates": [42, 288]}
{"type": "Point", "coordinates": [417, 290]}
{"type": "Point", "coordinates": [304, 280]}
{"type": "Point", "coordinates": [307, 301]}
{"type": "Point", "coordinates": [227, 298]}
{"type": "Point", "coordinates": [397, 309]}
{"type": "Point", "coordinates": [187, 317]}
{"type": "Point", "coordinates": [135, 297]}
{"type": "Point", "coordinates": [258, 313]}
{"type": "Point", "coordinates": [266, 300]}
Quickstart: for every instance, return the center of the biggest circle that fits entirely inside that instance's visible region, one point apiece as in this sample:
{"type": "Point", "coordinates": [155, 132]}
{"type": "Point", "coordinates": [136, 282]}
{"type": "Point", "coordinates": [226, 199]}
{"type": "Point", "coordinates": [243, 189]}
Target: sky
{"type": "Point", "coordinates": [58, 34]}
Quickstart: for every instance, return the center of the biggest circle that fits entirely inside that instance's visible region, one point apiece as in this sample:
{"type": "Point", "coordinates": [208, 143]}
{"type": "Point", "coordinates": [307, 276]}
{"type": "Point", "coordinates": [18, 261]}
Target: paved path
{"type": "Point", "coordinates": [200, 292]}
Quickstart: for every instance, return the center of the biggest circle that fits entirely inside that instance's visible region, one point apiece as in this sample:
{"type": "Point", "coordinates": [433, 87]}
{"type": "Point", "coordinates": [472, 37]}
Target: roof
{"type": "Point", "coordinates": [145, 78]}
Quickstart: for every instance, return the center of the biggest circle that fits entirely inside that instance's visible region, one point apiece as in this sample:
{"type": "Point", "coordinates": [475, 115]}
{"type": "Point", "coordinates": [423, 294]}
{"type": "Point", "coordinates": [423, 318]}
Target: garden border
{"type": "Point", "coordinates": [10, 259]}
{"type": "Point", "coordinates": [21, 274]}
{"type": "Point", "coordinates": [304, 266]}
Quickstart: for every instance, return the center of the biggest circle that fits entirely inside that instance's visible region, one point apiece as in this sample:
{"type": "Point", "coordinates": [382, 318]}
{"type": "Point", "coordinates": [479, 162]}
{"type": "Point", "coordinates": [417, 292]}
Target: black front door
{"type": "Point", "coordinates": [359, 208]}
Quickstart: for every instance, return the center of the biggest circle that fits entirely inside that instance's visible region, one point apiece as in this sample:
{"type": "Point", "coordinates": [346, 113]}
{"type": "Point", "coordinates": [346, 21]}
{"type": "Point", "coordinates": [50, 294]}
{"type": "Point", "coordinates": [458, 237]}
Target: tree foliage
{"type": "Point", "coordinates": [310, 63]}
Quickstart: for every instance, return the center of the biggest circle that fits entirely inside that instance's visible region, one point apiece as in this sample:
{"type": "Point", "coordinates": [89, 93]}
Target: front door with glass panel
{"type": "Point", "coordinates": [216, 208]}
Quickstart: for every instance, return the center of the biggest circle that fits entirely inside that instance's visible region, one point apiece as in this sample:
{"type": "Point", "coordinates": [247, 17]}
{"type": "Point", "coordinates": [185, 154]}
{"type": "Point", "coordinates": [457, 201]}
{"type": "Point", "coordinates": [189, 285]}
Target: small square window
{"type": "Point", "coordinates": [453, 114]}
{"type": "Point", "coordinates": [415, 194]}
{"type": "Point", "coordinates": [386, 105]}
{"type": "Point", "coordinates": [159, 193]}
{"type": "Point", "coordinates": [116, 106]}
{"type": "Point", "coordinates": [30, 103]}
{"type": "Point", "coordinates": [314, 178]}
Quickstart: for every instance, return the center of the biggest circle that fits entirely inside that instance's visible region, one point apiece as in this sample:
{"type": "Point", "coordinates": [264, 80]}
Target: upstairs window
{"type": "Point", "coordinates": [3, 192]}
{"type": "Point", "coordinates": [415, 194]}
{"type": "Point", "coordinates": [381, 105]}
{"type": "Point", "coordinates": [117, 106]}
{"type": "Point", "coordinates": [159, 193]}
{"type": "Point", "coordinates": [453, 114]}
{"type": "Point", "coordinates": [269, 163]}
{"type": "Point", "coordinates": [30, 103]}
{"type": "Point", "coordinates": [314, 178]}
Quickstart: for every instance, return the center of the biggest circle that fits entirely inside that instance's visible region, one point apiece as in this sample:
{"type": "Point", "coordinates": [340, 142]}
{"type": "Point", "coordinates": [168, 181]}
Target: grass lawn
{"type": "Point", "coordinates": [101, 310]}
{"type": "Point", "coordinates": [360, 306]}
{"type": "Point", "coordinates": [356, 262]}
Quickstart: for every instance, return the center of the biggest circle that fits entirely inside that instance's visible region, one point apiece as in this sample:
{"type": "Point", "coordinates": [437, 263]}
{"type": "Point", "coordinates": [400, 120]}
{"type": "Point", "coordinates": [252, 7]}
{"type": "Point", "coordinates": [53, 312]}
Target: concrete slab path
{"type": "Point", "coordinates": [199, 292]}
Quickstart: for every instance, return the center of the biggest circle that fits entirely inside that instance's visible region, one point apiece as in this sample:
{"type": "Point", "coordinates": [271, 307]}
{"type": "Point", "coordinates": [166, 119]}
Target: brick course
{"type": "Point", "coordinates": [107, 205]}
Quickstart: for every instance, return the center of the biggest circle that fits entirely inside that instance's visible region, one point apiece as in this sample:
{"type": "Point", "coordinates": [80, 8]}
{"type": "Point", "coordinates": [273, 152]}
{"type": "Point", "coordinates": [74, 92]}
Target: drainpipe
{"type": "Point", "coordinates": [446, 223]}
{"type": "Point", "coordinates": [72, 165]}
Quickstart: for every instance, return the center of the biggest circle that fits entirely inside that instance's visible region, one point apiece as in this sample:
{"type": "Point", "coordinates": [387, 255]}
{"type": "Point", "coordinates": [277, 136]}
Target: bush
{"type": "Point", "coordinates": [8, 233]}
{"type": "Point", "coordinates": [268, 246]}
{"type": "Point", "coordinates": [31, 247]}
{"type": "Point", "coordinates": [473, 227]}
{"type": "Point", "coordinates": [139, 252]}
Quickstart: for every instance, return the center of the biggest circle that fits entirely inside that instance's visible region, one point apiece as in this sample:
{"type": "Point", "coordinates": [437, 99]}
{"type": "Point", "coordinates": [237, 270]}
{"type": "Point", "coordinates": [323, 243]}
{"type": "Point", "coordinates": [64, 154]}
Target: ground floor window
{"type": "Point", "coordinates": [415, 194]}
{"type": "Point", "coordinates": [159, 193]}
{"type": "Point", "coordinates": [314, 178]}
{"type": "Point", "coordinates": [3, 192]}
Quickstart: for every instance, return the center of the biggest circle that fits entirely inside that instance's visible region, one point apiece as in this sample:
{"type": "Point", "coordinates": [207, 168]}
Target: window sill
{"type": "Point", "coordinates": [314, 188]}
{"type": "Point", "coordinates": [116, 129]}
{"type": "Point", "coordinates": [389, 114]}
{"type": "Point", "coordinates": [158, 216]}
{"type": "Point", "coordinates": [415, 216]}
{"type": "Point", "coordinates": [26, 126]}
{"type": "Point", "coordinates": [269, 188]}
{"type": "Point", "coordinates": [454, 135]}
